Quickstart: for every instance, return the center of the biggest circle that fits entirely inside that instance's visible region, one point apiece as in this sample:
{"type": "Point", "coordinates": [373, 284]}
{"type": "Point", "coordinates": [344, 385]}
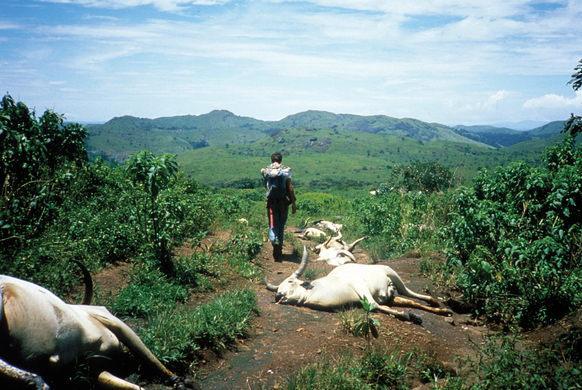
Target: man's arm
{"type": "Point", "coordinates": [291, 195]}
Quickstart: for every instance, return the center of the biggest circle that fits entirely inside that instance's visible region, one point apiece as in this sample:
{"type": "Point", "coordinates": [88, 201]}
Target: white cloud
{"type": "Point", "coordinates": [9, 26]}
{"type": "Point", "coordinates": [552, 101]}
{"type": "Point", "coordinates": [431, 7]}
{"type": "Point", "coordinates": [255, 55]}
{"type": "Point", "coordinates": [163, 5]}
{"type": "Point", "coordinates": [497, 97]}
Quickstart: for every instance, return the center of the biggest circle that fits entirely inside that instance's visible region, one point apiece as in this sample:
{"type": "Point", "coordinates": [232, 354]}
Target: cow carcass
{"type": "Point", "coordinates": [346, 285]}
{"type": "Point", "coordinates": [42, 336]}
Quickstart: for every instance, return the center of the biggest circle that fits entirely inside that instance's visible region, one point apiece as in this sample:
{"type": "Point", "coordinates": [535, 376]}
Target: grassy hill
{"type": "Point", "coordinates": [326, 150]}
{"type": "Point", "coordinates": [122, 136]}
{"type": "Point", "coordinates": [323, 159]}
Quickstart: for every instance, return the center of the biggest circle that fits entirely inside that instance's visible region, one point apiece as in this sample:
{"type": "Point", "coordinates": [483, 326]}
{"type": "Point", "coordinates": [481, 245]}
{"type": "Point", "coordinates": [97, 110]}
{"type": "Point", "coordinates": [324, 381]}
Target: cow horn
{"type": "Point", "coordinates": [347, 254]}
{"type": "Point", "coordinates": [88, 283]}
{"type": "Point", "coordinates": [270, 287]}
{"type": "Point", "coordinates": [327, 242]}
{"type": "Point", "coordinates": [303, 264]}
{"type": "Point", "coordinates": [353, 244]}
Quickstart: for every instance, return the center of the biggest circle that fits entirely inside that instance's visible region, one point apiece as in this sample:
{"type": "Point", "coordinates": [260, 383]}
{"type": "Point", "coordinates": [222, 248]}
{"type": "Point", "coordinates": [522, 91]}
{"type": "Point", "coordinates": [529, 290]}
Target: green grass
{"type": "Point", "coordinates": [148, 291]}
{"type": "Point", "coordinates": [374, 370]}
{"type": "Point", "coordinates": [351, 160]}
{"type": "Point", "coordinates": [174, 336]}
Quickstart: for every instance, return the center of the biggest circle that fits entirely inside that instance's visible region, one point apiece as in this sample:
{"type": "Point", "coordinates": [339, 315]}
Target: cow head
{"type": "Point", "coordinates": [291, 289]}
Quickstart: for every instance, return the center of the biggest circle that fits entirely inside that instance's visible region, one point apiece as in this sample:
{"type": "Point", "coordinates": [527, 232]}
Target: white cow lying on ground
{"type": "Point", "coordinates": [336, 252]}
{"type": "Point", "coordinates": [310, 233]}
{"type": "Point", "coordinates": [40, 335]}
{"type": "Point", "coordinates": [335, 228]}
{"type": "Point", "coordinates": [347, 284]}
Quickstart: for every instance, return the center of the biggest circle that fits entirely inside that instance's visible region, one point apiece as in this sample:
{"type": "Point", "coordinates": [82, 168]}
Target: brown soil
{"type": "Point", "coordinates": [285, 339]}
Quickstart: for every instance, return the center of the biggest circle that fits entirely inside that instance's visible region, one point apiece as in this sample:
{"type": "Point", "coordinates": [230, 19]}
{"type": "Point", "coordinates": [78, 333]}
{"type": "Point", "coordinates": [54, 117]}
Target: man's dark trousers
{"type": "Point", "coordinates": [277, 212]}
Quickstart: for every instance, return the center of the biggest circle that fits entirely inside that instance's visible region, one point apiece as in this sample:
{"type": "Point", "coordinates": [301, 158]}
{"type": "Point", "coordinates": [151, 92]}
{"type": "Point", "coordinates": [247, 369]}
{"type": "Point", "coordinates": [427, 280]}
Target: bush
{"type": "Point", "coordinates": [196, 270]}
{"type": "Point", "coordinates": [515, 238]}
{"type": "Point", "coordinates": [422, 176]}
{"type": "Point", "coordinates": [39, 160]}
{"type": "Point", "coordinates": [396, 222]}
{"type": "Point", "coordinates": [505, 364]}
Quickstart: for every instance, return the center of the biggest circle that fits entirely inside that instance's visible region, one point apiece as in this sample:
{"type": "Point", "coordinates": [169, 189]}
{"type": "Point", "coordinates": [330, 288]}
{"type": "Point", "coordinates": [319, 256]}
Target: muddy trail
{"type": "Point", "coordinates": [285, 338]}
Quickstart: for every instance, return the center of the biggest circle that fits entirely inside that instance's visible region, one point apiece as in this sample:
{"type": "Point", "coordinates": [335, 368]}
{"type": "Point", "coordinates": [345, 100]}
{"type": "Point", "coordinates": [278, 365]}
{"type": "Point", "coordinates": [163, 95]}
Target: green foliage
{"type": "Point", "coordinates": [174, 336]}
{"type": "Point", "coordinates": [374, 370]}
{"type": "Point", "coordinates": [39, 159]}
{"type": "Point", "coordinates": [397, 222]}
{"type": "Point", "coordinates": [576, 79]}
{"type": "Point", "coordinates": [366, 325]}
{"type": "Point", "coordinates": [515, 237]}
{"type": "Point", "coordinates": [241, 249]}
{"type": "Point", "coordinates": [197, 271]}
{"type": "Point", "coordinates": [422, 176]}
{"type": "Point", "coordinates": [149, 291]}
{"type": "Point", "coordinates": [154, 174]}
{"type": "Point", "coordinates": [505, 364]}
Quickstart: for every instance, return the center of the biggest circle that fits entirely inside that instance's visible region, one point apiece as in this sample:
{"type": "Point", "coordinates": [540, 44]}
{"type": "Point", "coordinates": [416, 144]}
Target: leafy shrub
{"type": "Point", "coordinates": [396, 222]}
{"type": "Point", "coordinates": [505, 364]}
{"type": "Point", "coordinates": [196, 270]}
{"type": "Point", "coordinates": [175, 336]}
{"type": "Point", "coordinates": [241, 249]}
{"type": "Point", "coordinates": [515, 237]}
{"type": "Point", "coordinates": [422, 176]}
{"type": "Point", "coordinates": [39, 159]}
{"type": "Point", "coordinates": [148, 292]}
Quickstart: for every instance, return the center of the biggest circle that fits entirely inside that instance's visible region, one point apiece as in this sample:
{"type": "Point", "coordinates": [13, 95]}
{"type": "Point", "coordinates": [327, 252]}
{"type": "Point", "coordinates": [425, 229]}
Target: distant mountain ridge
{"type": "Point", "coordinates": [121, 136]}
{"type": "Point", "coordinates": [503, 137]}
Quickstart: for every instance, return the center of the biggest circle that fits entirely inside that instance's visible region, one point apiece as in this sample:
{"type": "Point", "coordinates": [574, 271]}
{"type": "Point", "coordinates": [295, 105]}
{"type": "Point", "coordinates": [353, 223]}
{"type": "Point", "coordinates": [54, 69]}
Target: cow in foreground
{"type": "Point", "coordinates": [40, 335]}
{"type": "Point", "coordinates": [348, 284]}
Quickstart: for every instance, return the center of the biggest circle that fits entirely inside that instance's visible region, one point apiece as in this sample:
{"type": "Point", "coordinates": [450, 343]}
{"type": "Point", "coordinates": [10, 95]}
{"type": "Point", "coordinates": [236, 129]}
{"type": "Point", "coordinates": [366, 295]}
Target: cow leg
{"type": "Point", "coordinates": [403, 290]}
{"type": "Point", "coordinates": [405, 302]}
{"type": "Point", "coordinates": [400, 315]}
{"type": "Point", "coordinates": [132, 341]}
{"type": "Point", "coordinates": [25, 378]}
{"type": "Point", "coordinates": [365, 293]}
{"type": "Point", "coordinates": [110, 381]}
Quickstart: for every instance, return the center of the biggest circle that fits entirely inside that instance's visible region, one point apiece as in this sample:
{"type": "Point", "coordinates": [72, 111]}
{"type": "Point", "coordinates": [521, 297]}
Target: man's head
{"type": "Point", "coordinates": [276, 157]}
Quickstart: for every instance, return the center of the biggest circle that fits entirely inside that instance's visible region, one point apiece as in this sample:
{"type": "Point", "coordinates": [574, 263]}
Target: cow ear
{"type": "Point", "coordinates": [307, 285]}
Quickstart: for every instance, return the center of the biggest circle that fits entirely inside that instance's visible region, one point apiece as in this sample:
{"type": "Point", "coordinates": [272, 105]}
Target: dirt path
{"type": "Point", "coordinates": [286, 338]}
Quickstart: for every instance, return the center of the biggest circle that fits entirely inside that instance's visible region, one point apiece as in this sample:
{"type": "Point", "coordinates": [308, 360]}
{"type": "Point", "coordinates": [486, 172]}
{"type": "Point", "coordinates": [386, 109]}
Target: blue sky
{"type": "Point", "coordinates": [448, 61]}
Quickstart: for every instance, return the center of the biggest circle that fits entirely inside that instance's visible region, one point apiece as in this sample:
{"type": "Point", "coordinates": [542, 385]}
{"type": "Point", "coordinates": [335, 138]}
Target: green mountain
{"type": "Point", "coordinates": [548, 130]}
{"type": "Point", "coordinates": [406, 127]}
{"type": "Point", "coordinates": [332, 158]}
{"type": "Point", "coordinates": [122, 136]}
{"type": "Point", "coordinates": [326, 150]}
{"type": "Point", "coordinates": [503, 137]}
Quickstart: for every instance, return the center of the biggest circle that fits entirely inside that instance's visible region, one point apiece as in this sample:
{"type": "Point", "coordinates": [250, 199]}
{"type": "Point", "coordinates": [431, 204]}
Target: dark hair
{"type": "Point", "coordinates": [276, 157]}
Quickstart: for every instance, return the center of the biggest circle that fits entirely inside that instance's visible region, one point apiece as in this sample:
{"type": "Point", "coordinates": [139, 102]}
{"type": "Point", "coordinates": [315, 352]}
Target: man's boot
{"type": "Point", "coordinates": [277, 252]}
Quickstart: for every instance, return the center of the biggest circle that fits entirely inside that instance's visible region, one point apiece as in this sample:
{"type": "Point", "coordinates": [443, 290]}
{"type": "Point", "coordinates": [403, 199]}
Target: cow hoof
{"type": "Point", "coordinates": [186, 384]}
{"type": "Point", "coordinates": [415, 319]}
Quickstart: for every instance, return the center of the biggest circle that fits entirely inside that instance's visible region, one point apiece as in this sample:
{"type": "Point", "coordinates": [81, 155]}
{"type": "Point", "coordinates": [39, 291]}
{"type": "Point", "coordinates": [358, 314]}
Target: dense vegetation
{"type": "Point", "coordinates": [516, 238]}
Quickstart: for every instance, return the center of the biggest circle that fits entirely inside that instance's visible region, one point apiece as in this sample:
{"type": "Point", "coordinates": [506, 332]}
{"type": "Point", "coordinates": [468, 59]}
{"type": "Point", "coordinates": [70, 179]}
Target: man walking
{"type": "Point", "coordinates": [280, 195]}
